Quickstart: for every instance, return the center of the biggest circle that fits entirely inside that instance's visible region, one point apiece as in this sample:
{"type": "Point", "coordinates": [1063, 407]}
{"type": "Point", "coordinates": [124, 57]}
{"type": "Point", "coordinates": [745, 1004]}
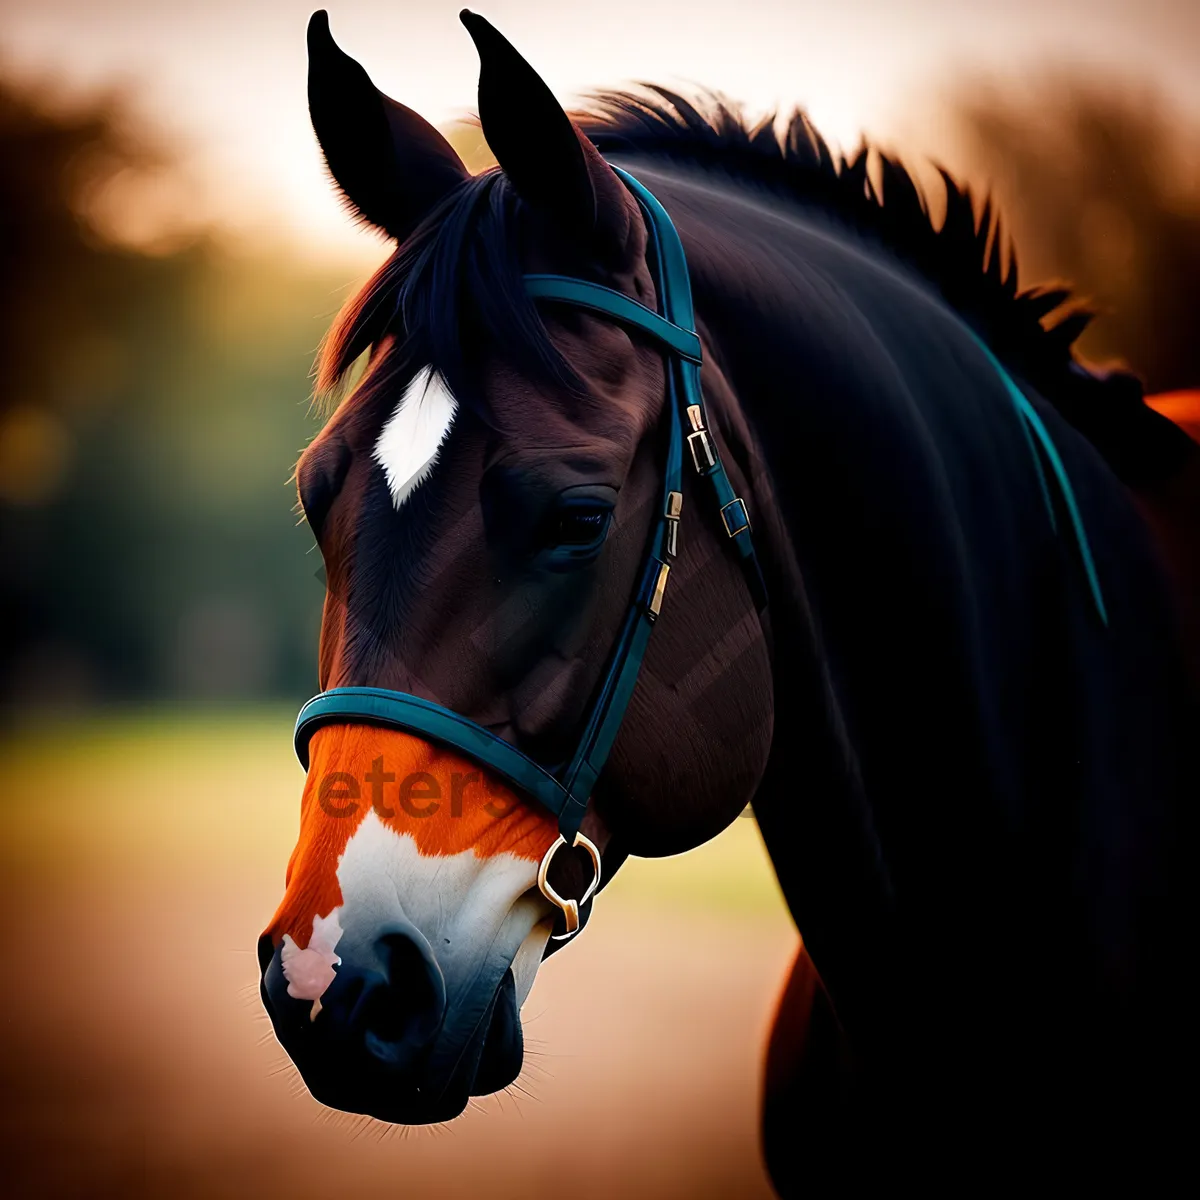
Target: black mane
{"type": "Point", "coordinates": [470, 240]}
{"type": "Point", "coordinates": [963, 256]}
{"type": "Point", "coordinates": [460, 272]}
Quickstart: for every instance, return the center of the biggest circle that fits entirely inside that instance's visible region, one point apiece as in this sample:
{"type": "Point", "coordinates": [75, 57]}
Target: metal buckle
{"type": "Point", "coordinates": [699, 443]}
{"type": "Point", "coordinates": [703, 454]}
{"type": "Point", "coordinates": [570, 908]}
{"type": "Point", "coordinates": [742, 516]}
{"type": "Point", "coordinates": [672, 513]}
{"type": "Point", "coordinates": [654, 604]}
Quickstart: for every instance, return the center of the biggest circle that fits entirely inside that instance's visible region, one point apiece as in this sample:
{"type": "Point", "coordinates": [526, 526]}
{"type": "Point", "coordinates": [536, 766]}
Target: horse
{"type": "Point", "coordinates": [929, 639]}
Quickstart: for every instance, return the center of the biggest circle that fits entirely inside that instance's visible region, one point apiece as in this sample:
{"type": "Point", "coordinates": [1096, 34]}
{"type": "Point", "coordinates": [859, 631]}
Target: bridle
{"type": "Point", "coordinates": [565, 791]}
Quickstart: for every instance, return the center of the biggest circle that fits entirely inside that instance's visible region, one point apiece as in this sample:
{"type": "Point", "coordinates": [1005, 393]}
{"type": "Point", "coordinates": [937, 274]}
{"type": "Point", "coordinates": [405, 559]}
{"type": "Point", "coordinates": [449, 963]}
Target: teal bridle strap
{"type": "Point", "coordinates": [616, 305]}
{"type": "Point", "coordinates": [676, 329]}
{"type": "Point", "coordinates": [1037, 436]}
{"type": "Point", "coordinates": [565, 792]}
{"type": "Point", "coordinates": [411, 714]}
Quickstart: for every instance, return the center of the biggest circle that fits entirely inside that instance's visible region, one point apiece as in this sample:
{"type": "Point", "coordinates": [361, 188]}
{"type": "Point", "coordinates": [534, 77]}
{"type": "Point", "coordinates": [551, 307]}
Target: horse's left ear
{"type": "Point", "coordinates": [390, 163]}
{"type": "Point", "coordinates": [550, 162]}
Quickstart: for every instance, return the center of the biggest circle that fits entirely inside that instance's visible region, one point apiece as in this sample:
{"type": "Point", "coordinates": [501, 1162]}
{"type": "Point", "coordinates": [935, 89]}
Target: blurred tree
{"type": "Point", "coordinates": [67, 292]}
{"type": "Point", "coordinates": [156, 397]}
{"type": "Point", "coordinates": [156, 390]}
{"type": "Point", "coordinates": [1100, 185]}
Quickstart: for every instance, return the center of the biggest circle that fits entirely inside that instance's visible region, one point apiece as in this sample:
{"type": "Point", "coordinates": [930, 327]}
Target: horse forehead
{"type": "Point", "coordinates": [585, 436]}
{"type": "Point", "coordinates": [622, 386]}
{"type": "Point", "coordinates": [411, 436]}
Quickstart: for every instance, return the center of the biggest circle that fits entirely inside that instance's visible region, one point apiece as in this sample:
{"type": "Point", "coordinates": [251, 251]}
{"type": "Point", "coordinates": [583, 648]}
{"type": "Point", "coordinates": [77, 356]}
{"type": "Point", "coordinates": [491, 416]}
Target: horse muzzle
{"type": "Point", "coordinates": [412, 926]}
{"type": "Point", "coordinates": [385, 1042]}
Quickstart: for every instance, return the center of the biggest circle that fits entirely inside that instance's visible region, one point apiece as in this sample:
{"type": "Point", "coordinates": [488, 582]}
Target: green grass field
{"type": "Point", "coordinates": [144, 853]}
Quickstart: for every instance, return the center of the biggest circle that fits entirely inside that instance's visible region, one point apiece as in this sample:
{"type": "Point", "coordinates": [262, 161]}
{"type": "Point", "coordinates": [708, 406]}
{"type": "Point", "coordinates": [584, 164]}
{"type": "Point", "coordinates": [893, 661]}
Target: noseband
{"type": "Point", "coordinates": [565, 792]}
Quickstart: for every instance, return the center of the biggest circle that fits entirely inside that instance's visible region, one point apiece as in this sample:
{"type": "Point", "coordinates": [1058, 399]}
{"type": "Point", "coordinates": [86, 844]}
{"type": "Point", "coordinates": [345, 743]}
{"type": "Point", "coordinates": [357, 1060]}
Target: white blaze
{"type": "Point", "coordinates": [465, 906]}
{"type": "Point", "coordinates": [408, 444]}
{"type": "Point", "coordinates": [468, 909]}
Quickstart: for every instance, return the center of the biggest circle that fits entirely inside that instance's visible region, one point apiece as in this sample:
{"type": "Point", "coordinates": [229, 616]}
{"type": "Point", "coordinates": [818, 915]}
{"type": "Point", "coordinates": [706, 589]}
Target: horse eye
{"type": "Point", "coordinates": [578, 525]}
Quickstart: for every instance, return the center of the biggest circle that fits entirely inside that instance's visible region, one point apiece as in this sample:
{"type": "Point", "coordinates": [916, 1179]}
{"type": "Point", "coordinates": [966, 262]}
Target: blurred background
{"type": "Point", "coordinates": [170, 255]}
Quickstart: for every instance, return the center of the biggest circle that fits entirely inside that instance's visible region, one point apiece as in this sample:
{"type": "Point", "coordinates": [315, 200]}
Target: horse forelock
{"type": "Point", "coordinates": [456, 281]}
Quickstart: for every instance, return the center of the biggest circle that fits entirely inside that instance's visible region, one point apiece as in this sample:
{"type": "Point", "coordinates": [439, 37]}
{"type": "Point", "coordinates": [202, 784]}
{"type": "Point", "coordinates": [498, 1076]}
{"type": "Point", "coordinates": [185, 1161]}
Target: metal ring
{"type": "Point", "coordinates": [570, 908]}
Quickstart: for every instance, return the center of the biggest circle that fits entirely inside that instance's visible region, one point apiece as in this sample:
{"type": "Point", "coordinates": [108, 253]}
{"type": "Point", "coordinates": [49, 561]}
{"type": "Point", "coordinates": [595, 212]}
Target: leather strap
{"type": "Point", "coordinates": [1041, 444]}
{"type": "Point", "coordinates": [675, 290]}
{"type": "Point", "coordinates": [579, 293]}
{"type": "Point", "coordinates": [412, 714]}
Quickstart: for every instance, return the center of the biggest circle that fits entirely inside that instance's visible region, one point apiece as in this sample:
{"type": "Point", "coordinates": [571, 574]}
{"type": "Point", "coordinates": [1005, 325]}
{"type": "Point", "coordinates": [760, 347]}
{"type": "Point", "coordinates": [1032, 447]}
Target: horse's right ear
{"type": "Point", "coordinates": [390, 163]}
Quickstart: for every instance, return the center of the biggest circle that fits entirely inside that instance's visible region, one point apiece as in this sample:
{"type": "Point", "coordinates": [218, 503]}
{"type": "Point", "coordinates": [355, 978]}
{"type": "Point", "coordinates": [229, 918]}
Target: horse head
{"type": "Point", "coordinates": [482, 499]}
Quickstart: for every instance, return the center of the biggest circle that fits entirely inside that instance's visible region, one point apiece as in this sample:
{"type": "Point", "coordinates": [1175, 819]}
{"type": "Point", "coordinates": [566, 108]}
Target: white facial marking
{"type": "Point", "coordinates": [310, 971]}
{"type": "Point", "coordinates": [409, 442]}
{"type": "Point", "coordinates": [468, 908]}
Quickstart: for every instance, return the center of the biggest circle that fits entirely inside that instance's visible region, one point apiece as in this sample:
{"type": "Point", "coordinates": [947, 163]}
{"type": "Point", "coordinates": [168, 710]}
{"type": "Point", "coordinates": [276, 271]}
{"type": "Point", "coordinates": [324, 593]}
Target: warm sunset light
{"type": "Point", "coordinates": [225, 82]}
{"type": "Point", "coordinates": [669, 673]}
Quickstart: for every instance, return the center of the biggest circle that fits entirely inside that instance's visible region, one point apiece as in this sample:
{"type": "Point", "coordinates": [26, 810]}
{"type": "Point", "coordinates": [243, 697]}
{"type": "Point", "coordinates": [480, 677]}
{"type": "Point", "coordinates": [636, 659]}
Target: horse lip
{"type": "Point", "coordinates": [451, 1099]}
{"type": "Point", "coordinates": [472, 1045]}
{"type": "Point", "coordinates": [439, 1090]}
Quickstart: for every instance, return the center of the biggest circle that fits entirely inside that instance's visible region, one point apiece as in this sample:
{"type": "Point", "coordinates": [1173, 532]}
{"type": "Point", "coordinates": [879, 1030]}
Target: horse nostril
{"type": "Point", "coordinates": [400, 1017]}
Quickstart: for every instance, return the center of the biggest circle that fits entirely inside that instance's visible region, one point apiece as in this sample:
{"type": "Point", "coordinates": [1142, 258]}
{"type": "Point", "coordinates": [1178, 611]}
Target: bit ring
{"type": "Point", "coordinates": [570, 908]}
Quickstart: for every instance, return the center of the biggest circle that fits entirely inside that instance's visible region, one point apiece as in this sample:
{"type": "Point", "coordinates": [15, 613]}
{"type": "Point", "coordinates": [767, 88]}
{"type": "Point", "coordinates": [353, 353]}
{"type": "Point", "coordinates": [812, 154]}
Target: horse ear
{"type": "Point", "coordinates": [390, 163]}
{"type": "Point", "coordinates": [551, 164]}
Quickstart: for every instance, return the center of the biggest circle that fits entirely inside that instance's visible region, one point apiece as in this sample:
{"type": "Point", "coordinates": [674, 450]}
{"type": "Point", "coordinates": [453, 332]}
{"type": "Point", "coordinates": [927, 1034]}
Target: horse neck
{"type": "Point", "coordinates": [829, 859]}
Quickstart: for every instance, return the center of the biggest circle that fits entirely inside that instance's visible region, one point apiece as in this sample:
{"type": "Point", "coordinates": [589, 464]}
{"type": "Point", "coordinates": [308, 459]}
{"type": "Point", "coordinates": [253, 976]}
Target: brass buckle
{"type": "Point", "coordinates": [704, 455]}
{"type": "Point", "coordinates": [671, 515]}
{"type": "Point", "coordinates": [570, 908]}
{"type": "Point", "coordinates": [654, 604]}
